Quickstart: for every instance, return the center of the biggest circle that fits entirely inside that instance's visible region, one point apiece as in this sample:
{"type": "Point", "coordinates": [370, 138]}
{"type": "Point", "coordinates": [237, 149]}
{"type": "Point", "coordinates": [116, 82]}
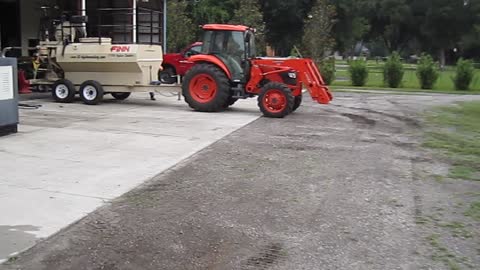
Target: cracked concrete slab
{"type": "Point", "coordinates": [69, 159]}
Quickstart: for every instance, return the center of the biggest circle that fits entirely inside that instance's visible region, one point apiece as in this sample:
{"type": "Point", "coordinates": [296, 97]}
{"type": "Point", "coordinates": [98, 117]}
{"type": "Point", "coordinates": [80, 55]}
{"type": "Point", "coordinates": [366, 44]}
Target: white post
{"type": "Point", "coordinates": [134, 21]}
{"type": "Point", "coordinates": [84, 13]}
{"type": "Point", "coordinates": [84, 7]}
{"type": "Point", "coordinates": [164, 26]}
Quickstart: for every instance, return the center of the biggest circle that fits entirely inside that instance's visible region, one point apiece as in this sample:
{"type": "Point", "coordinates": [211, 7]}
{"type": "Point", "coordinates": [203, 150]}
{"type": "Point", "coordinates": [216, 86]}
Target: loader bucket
{"type": "Point", "coordinates": [308, 74]}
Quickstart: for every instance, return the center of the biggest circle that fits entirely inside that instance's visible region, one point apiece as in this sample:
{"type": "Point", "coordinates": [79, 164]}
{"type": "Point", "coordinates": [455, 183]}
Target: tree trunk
{"type": "Point", "coordinates": [442, 59]}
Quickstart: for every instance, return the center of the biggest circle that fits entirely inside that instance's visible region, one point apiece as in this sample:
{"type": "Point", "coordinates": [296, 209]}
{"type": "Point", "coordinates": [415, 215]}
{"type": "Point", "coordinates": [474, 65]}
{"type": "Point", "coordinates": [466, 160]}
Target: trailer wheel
{"type": "Point", "coordinates": [120, 95]}
{"type": "Point", "coordinates": [91, 92]}
{"type": "Point", "coordinates": [276, 100]}
{"type": "Point", "coordinates": [63, 91]}
{"type": "Point", "coordinates": [206, 88]}
{"type": "Point", "coordinates": [297, 102]}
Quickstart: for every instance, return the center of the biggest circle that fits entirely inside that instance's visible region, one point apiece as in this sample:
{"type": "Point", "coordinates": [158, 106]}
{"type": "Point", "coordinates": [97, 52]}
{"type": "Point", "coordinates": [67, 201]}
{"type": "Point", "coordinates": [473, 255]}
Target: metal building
{"type": "Point", "coordinates": [21, 20]}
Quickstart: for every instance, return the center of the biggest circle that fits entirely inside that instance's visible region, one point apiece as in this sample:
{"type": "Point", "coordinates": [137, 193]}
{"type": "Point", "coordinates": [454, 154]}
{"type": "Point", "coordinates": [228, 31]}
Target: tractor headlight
{"type": "Point", "coordinates": [292, 75]}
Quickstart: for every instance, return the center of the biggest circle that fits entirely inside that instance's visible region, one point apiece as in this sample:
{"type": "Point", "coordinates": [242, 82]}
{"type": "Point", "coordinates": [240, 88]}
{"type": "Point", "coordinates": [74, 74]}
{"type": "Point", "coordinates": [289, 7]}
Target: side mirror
{"type": "Point", "coordinates": [248, 36]}
{"type": "Point", "coordinates": [188, 54]}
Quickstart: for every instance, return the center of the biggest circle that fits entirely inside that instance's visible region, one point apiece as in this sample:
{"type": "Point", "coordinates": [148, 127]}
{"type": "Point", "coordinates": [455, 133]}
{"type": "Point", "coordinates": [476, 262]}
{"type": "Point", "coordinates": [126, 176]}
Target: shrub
{"type": "Point", "coordinates": [358, 72]}
{"type": "Point", "coordinates": [426, 72]}
{"type": "Point", "coordinates": [393, 71]}
{"type": "Point", "coordinates": [327, 69]}
{"type": "Point", "coordinates": [464, 75]}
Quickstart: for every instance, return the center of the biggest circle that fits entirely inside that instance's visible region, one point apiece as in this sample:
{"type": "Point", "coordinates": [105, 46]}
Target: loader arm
{"type": "Point", "coordinates": [307, 73]}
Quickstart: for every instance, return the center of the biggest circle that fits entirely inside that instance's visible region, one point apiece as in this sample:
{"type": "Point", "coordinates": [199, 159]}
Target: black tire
{"type": "Point", "coordinates": [120, 95]}
{"type": "Point", "coordinates": [297, 102]}
{"type": "Point", "coordinates": [167, 76]}
{"type": "Point", "coordinates": [206, 88]}
{"type": "Point", "coordinates": [91, 92]}
{"type": "Point", "coordinates": [63, 91]}
{"type": "Point", "coordinates": [231, 101]}
{"type": "Point", "coordinates": [275, 100]}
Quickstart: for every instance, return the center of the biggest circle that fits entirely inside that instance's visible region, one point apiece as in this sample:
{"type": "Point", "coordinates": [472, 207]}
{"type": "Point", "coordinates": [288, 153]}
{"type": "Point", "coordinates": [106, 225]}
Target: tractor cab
{"type": "Point", "coordinates": [233, 45]}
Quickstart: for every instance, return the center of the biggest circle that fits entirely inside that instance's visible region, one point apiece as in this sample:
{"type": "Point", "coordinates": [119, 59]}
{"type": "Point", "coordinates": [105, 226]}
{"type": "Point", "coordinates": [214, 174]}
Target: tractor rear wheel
{"type": "Point", "coordinates": [230, 102]}
{"type": "Point", "coordinates": [276, 100]}
{"type": "Point", "coordinates": [120, 95]}
{"type": "Point", "coordinates": [297, 102]}
{"type": "Point", "coordinates": [206, 88]}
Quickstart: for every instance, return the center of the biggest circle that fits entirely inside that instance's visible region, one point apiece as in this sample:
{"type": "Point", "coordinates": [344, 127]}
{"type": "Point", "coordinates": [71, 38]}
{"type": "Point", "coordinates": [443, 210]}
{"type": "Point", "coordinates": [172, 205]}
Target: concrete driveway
{"type": "Point", "coordinates": [69, 159]}
{"type": "Point", "coordinates": [343, 186]}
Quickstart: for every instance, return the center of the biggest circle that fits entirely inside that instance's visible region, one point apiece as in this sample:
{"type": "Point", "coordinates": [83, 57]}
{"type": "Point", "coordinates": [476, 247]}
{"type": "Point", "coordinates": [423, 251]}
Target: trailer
{"type": "Point", "coordinates": [93, 69]}
{"type": "Point", "coordinates": [95, 66]}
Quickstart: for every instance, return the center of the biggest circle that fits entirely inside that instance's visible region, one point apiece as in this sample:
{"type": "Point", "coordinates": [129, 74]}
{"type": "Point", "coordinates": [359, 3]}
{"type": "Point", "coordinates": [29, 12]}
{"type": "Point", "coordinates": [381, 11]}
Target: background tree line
{"type": "Point", "coordinates": [447, 29]}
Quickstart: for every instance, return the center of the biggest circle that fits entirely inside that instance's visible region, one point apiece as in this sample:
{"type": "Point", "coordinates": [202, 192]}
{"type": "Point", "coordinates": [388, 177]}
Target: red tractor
{"type": "Point", "coordinates": [227, 70]}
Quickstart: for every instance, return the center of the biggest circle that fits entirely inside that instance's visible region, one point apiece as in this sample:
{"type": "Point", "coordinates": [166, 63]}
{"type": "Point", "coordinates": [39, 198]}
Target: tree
{"type": "Point", "coordinates": [427, 73]}
{"type": "Point", "coordinates": [317, 39]}
{"type": "Point", "coordinates": [284, 22]}
{"type": "Point", "coordinates": [444, 26]}
{"type": "Point", "coordinates": [464, 75]}
{"type": "Point", "coordinates": [393, 71]}
{"type": "Point", "coordinates": [410, 26]}
{"type": "Point", "coordinates": [248, 13]}
{"type": "Point", "coordinates": [212, 11]}
{"type": "Point", "coordinates": [351, 25]}
{"type": "Point", "coordinates": [180, 28]}
{"type": "Point", "coordinates": [407, 26]}
{"type": "Point", "coordinates": [392, 21]}
{"type": "Point", "coordinates": [470, 43]}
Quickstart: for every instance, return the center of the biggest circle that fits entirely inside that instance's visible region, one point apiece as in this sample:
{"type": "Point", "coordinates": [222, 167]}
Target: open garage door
{"type": "Point", "coordinates": [10, 34]}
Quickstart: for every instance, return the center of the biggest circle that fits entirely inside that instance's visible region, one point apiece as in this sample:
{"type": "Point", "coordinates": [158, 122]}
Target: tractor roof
{"type": "Point", "coordinates": [225, 27]}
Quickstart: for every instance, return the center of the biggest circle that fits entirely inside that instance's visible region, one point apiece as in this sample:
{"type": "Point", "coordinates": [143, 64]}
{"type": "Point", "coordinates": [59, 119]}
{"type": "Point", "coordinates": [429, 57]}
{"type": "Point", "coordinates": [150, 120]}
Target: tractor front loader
{"type": "Point", "coordinates": [228, 70]}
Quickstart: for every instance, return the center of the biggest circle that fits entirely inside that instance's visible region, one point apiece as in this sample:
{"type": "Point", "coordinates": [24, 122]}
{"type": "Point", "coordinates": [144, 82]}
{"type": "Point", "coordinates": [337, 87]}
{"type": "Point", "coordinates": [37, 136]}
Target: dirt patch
{"type": "Point", "coordinates": [268, 257]}
{"type": "Point", "coordinates": [360, 119]}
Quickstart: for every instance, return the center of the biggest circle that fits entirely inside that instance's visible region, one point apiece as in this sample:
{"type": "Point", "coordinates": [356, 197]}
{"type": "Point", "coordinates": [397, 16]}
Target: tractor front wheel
{"type": "Point", "coordinates": [206, 88]}
{"type": "Point", "coordinates": [276, 100]}
{"type": "Point", "coordinates": [297, 102]}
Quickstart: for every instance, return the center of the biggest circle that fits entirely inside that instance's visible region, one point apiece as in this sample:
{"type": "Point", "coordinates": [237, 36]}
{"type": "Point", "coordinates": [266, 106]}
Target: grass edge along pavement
{"type": "Point", "coordinates": [338, 88]}
{"type": "Point", "coordinates": [410, 82]}
{"type": "Point", "coordinates": [454, 133]}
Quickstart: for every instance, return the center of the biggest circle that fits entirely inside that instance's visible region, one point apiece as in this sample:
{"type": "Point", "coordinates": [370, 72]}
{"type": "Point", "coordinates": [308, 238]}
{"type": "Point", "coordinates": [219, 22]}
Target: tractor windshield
{"type": "Point", "coordinates": [224, 42]}
{"type": "Point", "coordinates": [228, 46]}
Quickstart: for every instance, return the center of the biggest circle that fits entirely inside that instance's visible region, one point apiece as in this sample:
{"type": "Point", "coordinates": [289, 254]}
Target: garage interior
{"type": "Point", "coordinates": [20, 20]}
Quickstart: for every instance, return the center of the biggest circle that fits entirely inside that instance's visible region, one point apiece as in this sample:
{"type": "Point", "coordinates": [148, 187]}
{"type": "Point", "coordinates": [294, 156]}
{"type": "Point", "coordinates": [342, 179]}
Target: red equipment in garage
{"type": "Point", "coordinates": [23, 83]}
{"type": "Point", "coordinates": [177, 63]}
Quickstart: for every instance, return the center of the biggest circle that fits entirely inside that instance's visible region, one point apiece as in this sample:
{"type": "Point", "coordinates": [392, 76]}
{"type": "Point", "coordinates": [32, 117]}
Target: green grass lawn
{"type": "Point", "coordinates": [455, 131]}
{"type": "Point", "coordinates": [410, 80]}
